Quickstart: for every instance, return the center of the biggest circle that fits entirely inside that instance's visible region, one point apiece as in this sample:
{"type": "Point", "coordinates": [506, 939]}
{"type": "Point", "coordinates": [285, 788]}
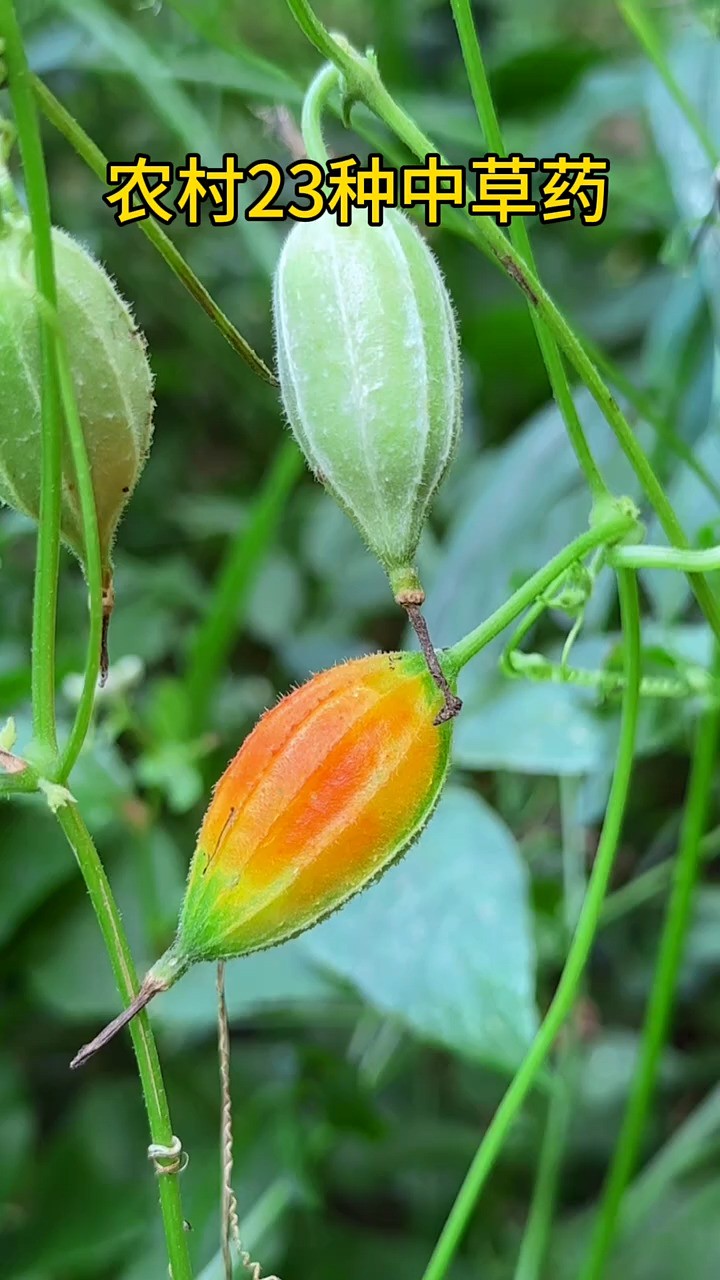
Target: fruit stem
{"type": "Point", "coordinates": [604, 533]}
{"type": "Point", "coordinates": [48, 542]}
{"type": "Point", "coordinates": [327, 78]}
{"type": "Point", "coordinates": [108, 604]}
{"type": "Point", "coordinates": [453, 704]}
{"type": "Point", "coordinates": [150, 988]}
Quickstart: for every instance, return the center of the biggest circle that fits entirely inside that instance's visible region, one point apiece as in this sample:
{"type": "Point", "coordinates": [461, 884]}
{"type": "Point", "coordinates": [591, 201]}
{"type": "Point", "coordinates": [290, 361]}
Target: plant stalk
{"type": "Point", "coordinates": [706, 560]}
{"type": "Point", "coordinates": [48, 541]}
{"type": "Point", "coordinates": [93, 563]}
{"type": "Point", "coordinates": [602, 534]}
{"type": "Point", "coordinates": [662, 995]}
{"type": "Point", "coordinates": [314, 104]}
{"type": "Point", "coordinates": [143, 1040]}
{"type": "Point", "coordinates": [82, 143]}
{"type": "Point", "coordinates": [533, 1250]}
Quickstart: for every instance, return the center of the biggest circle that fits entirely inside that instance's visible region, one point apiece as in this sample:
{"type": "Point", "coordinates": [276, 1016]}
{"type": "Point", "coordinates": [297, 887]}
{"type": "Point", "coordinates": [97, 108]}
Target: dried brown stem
{"type": "Point", "coordinates": [10, 763]}
{"type": "Point", "coordinates": [453, 704]}
{"type": "Point", "coordinates": [230, 1224]}
{"type": "Point", "coordinates": [108, 604]}
{"type": "Point", "coordinates": [151, 987]}
{"type": "Point", "coordinates": [229, 1211]}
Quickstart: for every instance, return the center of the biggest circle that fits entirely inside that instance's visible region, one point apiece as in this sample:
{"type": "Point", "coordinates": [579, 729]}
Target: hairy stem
{"type": "Point", "coordinates": [143, 1040]}
{"type": "Point", "coordinates": [93, 563]}
{"type": "Point", "coordinates": [94, 158]}
{"type": "Point", "coordinates": [314, 104]}
{"type": "Point", "coordinates": [48, 543]}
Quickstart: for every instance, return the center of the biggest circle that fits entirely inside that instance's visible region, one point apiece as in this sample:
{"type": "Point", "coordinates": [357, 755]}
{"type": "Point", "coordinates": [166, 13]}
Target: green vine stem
{"type": "Point", "coordinates": [706, 560]}
{"type": "Point", "coordinates": [662, 995]}
{"type": "Point", "coordinates": [48, 543]}
{"type": "Point", "coordinates": [148, 1062]}
{"type": "Point", "coordinates": [487, 115]}
{"type": "Point", "coordinates": [363, 83]}
{"type": "Point", "coordinates": [94, 158]}
{"type": "Point", "coordinates": [56, 378]}
{"type": "Point", "coordinates": [520, 665]}
{"type": "Point", "coordinates": [619, 525]}
{"type": "Point", "coordinates": [536, 667]}
{"type": "Point", "coordinates": [643, 404]}
{"type": "Point", "coordinates": [649, 884]}
{"type": "Point", "coordinates": [93, 562]}
{"type": "Point", "coordinates": [577, 956]}
{"type": "Point", "coordinates": [531, 1258]}
{"type": "Point", "coordinates": [314, 104]}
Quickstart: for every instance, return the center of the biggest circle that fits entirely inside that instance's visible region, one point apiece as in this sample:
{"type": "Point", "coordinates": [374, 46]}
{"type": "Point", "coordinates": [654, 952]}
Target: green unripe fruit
{"type": "Point", "coordinates": [369, 370]}
{"type": "Point", "coordinates": [111, 377]}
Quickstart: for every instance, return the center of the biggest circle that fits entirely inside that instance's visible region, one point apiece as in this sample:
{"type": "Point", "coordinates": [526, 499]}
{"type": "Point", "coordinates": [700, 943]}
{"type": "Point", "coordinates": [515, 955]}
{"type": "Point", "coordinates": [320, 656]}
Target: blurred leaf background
{"type": "Point", "coordinates": [369, 1054]}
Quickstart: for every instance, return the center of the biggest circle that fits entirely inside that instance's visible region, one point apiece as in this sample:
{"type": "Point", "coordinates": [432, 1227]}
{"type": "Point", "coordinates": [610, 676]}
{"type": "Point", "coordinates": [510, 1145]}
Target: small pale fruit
{"type": "Point", "coordinates": [369, 368]}
{"type": "Point", "coordinates": [111, 376]}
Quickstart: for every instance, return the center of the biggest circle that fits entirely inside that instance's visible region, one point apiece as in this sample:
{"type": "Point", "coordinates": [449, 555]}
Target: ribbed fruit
{"type": "Point", "coordinates": [111, 377]}
{"type": "Point", "coordinates": [330, 788]}
{"type": "Point", "coordinates": [368, 360]}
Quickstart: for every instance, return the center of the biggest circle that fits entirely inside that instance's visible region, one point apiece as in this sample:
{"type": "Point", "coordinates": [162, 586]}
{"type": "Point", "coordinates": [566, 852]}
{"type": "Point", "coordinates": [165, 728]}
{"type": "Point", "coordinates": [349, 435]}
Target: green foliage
{"type": "Point", "coordinates": [370, 1055]}
{"type": "Point", "coordinates": [442, 943]}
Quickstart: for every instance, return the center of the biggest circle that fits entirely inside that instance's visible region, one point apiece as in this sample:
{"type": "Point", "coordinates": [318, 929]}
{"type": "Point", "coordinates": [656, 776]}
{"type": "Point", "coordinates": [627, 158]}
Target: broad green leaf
{"type": "Point", "coordinates": [276, 599]}
{"type": "Point", "coordinates": [695, 62]}
{"type": "Point", "coordinates": [443, 942]}
{"type": "Point", "coordinates": [531, 728]}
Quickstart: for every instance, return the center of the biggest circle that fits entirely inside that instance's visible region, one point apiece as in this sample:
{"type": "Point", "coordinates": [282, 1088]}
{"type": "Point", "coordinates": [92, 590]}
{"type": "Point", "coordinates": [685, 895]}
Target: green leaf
{"type": "Point", "coordinates": [695, 63]}
{"type": "Point", "coordinates": [531, 728]}
{"type": "Point", "coordinates": [443, 942]}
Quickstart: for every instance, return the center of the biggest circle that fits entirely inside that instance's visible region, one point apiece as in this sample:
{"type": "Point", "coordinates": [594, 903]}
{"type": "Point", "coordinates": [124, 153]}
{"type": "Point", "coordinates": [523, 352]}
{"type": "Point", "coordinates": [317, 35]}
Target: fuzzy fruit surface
{"type": "Point", "coordinates": [111, 376]}
{"type": "Point", "coordinates": [368, 361]}
{"type": "Point", "coordinates": [332, 785]}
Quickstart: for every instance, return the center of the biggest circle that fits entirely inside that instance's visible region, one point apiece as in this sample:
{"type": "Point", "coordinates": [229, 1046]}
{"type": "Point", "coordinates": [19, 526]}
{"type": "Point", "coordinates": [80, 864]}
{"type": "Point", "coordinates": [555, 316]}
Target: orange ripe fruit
{"type": "Point", "coordinates": [333, 784]}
